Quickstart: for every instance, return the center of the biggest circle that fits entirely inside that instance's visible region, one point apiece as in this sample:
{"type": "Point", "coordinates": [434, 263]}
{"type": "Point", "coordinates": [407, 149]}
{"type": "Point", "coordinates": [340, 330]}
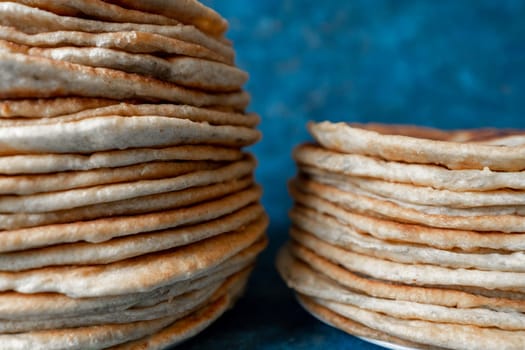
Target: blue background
{"type": "Point", "coordinates": [448, 64]}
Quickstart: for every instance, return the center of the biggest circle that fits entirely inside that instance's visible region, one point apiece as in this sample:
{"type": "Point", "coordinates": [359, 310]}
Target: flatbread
{"type": "Point", "coordinates": [182, 329]}
{"type": "Point", "coordinates": [115, 132]}
{"type": "Point", "coordinates": [394, 231]}
{"type": "Point", "coordinates": [32, 20]}
{"type": "Point", "coordinates": [306, 281]}
{"type": "Point", "coordinates": [97, 9]}
{"type": "Point", "coordinates": [186, 71]}
{"type": "Point", "coordinates": [432, 333]}
{"type": "Point", "coordinates": [140, 274]}
{"type": "Point", "coordinates": [102, 336]}
{"type": "Point", "coordinates": [413, 274]}
{"type": "Point", "coordinates": [187, 11]}
{"type": "Point", "coordinates": [25, 76]}
{"type": "Point", "coordinates": [20, 306]}
{"type": "Point", "coordinates": [78, 197]}
{"type": "Point", "coordinates": [128, 246]}
{"type": "Point", "coordinates": [333, 231]}
{"type": "Point", "coordinates": [48, 108]}
{"type": "Point", "coordinates": [29, 184]}
{"type": "Point", "coordinates": [30, 115]}
{"type": "Point", "coordinates": [103, 229]}
{"type": "Point", "coordinates": [134, 206]}
{"type": "Point", "coordinates": [457, 298]}
{"type": "Point", "coordinates": [177, 332]}
{"type": "Point", "coordinates": [349, 326]}
{"type": "Point", "coordinates": [388, 209]}
{"type": "Point", "coordinates": [179, 307]}
{"type": "Point", "coordinates": [422, 195]}
{"type": "Point", "coordinates": [52, 163]}
{"type": "Point", "coordinates": [464, 149]}
{"type": "Point", "coordinates": [416, 174]}
{"type": "Point", "coordinates": [170, 306]}
{"type": "Point", "coordinates": [425, 209]}
{"type": "Point", "coordinates": [129, 41]}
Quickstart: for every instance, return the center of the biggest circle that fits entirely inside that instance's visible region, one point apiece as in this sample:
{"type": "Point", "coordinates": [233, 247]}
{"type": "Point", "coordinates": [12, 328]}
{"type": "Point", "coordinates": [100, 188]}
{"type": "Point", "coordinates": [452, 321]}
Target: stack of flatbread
{"type": "Point", "coordinates": [411, 236]}
{"type": "Point", "coordinates": [129, 217]}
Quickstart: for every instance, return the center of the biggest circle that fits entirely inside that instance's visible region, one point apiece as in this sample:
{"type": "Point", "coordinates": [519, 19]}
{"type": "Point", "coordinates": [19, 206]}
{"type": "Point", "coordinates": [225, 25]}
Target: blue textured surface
{"type": "Point", "coordinates": [449, 64]}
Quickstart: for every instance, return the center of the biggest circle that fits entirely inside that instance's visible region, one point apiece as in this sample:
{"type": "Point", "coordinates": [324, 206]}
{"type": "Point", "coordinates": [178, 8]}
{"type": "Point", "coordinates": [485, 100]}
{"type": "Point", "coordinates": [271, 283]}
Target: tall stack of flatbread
{"type": "Point", "coordinates": [129, 218]}
{"type": "Point", "coordinates": [411, 236]}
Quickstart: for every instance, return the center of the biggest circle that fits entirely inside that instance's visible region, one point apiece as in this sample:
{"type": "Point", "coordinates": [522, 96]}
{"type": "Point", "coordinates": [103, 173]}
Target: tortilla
{"type": "Point", "coordinates": [140, 274]}
{"type": "Point", "coordinates": [349, 326]}
{"type": "Point", "coordinates": [435, 295]}
{"type": "Point", "coordinates": [306, 281]}
{"type": "Point", "coordinates": [432, 333]}
{"type": "Point", "coordinates": [29, 184]}
{"type": "Point", "coordinates": [473, 201]}
{"type": "Point", "coordinates": [187, 11]}
{"type": "Point", "coordinates": [134, 206]}
{"type": "Point", "coordinates": [413, 274]}
{"type": "Point", "coordinates": [47, 108]}
{"type": "Point", "coordinates": [465, 149]}
{"type": "Point", "coordinates": [128, 41]}
{"type": "Point", "coordinates": [52, 163]}
{"type": "Point", "coordinates": [31, 115]}
{"type": "Point", "coordinates": [78, 197]}
{"type": "Point", "coordinates": [25, 76]}
{"type": "Point", "coordinates": [186, 71]}
{"type": "Point", "coordinates": [388, 209]}
{"type": "Point", "coordinates": [128, 246]}
{"type": "Point", "coordinates": [20, 306]}
{"type": "Point", "coordinates": [494, 210]}
{"type": "Point", "coordinates": [416, 174]}
{"type": "Point", "coordinates": [97, 9]}
{"type": "Point", "coordinates": [103, 229]}
{"type": "Point", "coordinates": [32, 20]}
{"type": "Point", "coordinates": [400, 232]}
{"type": "Point", "coordinates": [331, 230]}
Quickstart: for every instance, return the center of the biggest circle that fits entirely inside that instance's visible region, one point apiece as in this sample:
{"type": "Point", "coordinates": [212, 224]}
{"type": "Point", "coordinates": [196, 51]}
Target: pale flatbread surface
{"type": "Point", "coordinates": [33, 20]}
{"type": "Point", "coordinates": [388, 230]}
{"type": "Point", "coordinates": [140, 274]}
{"type": "Point", "coordinates": [38, 112]}
{"type": "Point", "coordinates": [110, 192]}
{"type": "Point", "coordinates": [331, 230]}
{"type": "Point", "coordinates": [116, 132]}
{"type": "Point", "coordinates": [135, 206]}
{"type": "Point", "coordinates": [105, 228]}
{"type": "Point", "coordinates": [472, 149]}
{"type": "Point", "coordinates": [416, 174]}
{"type": "Point", "coordinates": [186, 71]}
{"type": "Point", "coordinates": [421, 195]}
{"type": "Point", "coordinates": [364, 204]}
{"type": "Point", "coordinates": [26, 76]}
{"type": "Point", "coordinates": [307, 281]}
{"type": "Point", "coordinates": [127, 247]}
{"type": "Point", "coordinates": [129, 41]}
{"type": "Point", "coordinates": [187, 11]}
{"type": "Point", "coordinates": [349, 326]}
{"type": "Point", "coordinates": [98, 9]}
{"type": "Point", "coordinates": [47, 108]}
{"type": "Point", "coordinates": [51, 163]}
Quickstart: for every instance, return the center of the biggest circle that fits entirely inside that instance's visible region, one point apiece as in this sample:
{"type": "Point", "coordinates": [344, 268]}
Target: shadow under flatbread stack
{"type": "Point", "coordinates": [129, 217]}
{"type": "Point", "coordinates": [411, 236]}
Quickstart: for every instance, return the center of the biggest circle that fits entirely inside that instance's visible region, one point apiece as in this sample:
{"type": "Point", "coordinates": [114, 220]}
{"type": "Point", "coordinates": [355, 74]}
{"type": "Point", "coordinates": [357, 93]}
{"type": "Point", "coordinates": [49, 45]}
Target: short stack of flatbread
{"type": "Point", "coordinates": [411, 236]}
{"type": "Point", "coordinates": [129, 217]}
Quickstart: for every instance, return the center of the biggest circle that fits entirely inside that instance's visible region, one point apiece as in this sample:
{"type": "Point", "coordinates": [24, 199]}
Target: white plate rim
{"type": "Point", "coordinates": [385, 344]}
